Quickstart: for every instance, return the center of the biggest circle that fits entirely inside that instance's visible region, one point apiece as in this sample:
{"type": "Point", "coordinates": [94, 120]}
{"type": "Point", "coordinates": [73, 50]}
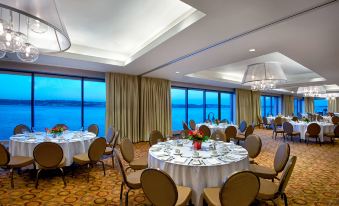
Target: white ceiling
{"type": "Point", "coordinates": [309, 40]}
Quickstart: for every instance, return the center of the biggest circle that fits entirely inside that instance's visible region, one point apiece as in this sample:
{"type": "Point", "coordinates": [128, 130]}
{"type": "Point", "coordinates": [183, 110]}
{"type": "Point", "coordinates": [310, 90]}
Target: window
{"type": "Point", "coordinates": [95, 104]}
{"type": "Point", "coordinates": [298, 105]}
{"type": "Point", "coordinates": [15, 102]}
{"type": "Point", "coordinates": [320, 106]}
{"type": "Point", "coordinates": [270, 105]}
{"type": "Point", "coordinates": [226, 106]}
{"type": "Point", "coordinates": [212, 105]}
{"type": "Point", "coordinates": [195, 105]}
{"type": "Point", "coordinates": [178, 108]}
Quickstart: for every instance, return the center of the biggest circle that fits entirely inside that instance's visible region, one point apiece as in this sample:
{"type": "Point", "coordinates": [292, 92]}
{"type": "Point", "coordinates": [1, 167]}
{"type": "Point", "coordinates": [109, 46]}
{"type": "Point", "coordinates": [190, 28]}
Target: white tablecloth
{"type": "Point", "coordinates": [72, 143]}
{"type": "Point", "coordinates": [214, 127]}
{"type": "Point", "coordinates": [212, 171]}
{"type": "Point", "coordinates": [284, 119]}
{"type": "Point", "coordinates": [302, 128]}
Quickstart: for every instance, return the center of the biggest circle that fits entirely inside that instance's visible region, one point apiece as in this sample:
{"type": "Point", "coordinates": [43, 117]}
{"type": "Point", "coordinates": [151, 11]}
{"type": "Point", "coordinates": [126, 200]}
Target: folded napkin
{"type": "Point", "coordinates": [213, 161]}
{"type": "Point", "coordinates": [160, 154]}
{"type": "Point", "coordinates": [180, 160]}
{"type": "Point", "coordinates": [31, 140]}
{"type": "Point", "coordinates": [164, 158]}
{"type": "Point", "coordinates": [234, 156]}
{"type": "Point", "coordinates": [196, 162]}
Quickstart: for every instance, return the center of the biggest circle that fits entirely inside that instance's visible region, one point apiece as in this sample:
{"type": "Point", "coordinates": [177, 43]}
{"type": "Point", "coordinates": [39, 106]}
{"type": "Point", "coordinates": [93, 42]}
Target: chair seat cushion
{"type": "Point", "coordinates": [263, 172]}
{"type": "Point", "coordinates": [295, 133]}
{"type": "Point", "coordinates": [211, 196]}
{"type": "Point", "coordinates": [240, 137]}
{"type": "Point", "coordinates": [133, 179]}
{"type": "Point", "coordinates": [139, 164]}
{"type": "Point", "coordinates": [268, 190]}
{"type": "Point", "coordinates": [331, 134]}
{"type": "Point", "coordinates": [20, 161]}
{"type": "Point", "coordinates": [81, 159]}
{"type": "Point", "coordinates": [184, 195]}
{"type": "Point", "coordinates": [108, 151]}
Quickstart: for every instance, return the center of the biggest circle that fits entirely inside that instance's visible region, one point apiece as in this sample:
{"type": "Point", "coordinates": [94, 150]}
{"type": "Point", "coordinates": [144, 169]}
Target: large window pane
{"type": "Point", "coordinates": [268, 106]}
{"type": "Point", "coordinates": [226, 105]}
{"type": "Point", "coordinates": [178, 108]}
{"type": "Point", "coordinates": [95, 104]}
{"type": "Point", "coordinates": [57, 100]}
{"type": "Point", "coordinates": [320, 105]}
{"type": "Point", "coordinates": [212, 105]}
{"type": "Point", "coordinates": [15, 102]}
{"type": "Point", "coordinates": [195, 105]}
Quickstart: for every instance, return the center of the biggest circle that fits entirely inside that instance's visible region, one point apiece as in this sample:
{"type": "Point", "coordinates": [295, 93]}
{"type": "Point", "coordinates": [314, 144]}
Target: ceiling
{"type": "Point", "coordinates": [204, 36]}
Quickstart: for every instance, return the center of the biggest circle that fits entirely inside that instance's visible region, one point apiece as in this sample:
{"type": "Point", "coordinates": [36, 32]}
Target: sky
{"type": "Point", "coordinates": [196, 97]}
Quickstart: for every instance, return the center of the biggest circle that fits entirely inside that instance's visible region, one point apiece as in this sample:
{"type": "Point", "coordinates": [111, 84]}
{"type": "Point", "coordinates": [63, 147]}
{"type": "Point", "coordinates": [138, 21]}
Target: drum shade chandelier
{"type": "Point", "coordinates": [29, 28]}
{"type": "Point", "coordinates": [264, 76]}
{"type": "Point", "coordinates": [312, 91]}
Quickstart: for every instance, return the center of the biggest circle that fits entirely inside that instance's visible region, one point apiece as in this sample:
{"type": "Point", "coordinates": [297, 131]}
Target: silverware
{"type": "Point", "coordinates": [190, 162]}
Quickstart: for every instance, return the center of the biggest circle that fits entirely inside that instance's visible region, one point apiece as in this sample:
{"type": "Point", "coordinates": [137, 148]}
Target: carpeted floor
{"type": "Point", "coordinates": [315, 179]}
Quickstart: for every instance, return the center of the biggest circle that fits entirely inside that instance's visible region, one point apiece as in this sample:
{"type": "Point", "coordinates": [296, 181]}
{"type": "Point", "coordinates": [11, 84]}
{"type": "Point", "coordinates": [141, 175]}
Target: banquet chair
{"type": "Point", "coordinates": [192, 124]}
{"type": "Point", "coordinates": [300, 116]}
{"type": "Point", "coordinates": [224, 121]}
{"type": "Point", "coordinates": [95, 151]}
{"type": "Point", "coordinates": [20, 129]}
{"type": "Point", "coordinates": [154, 137]}
{"type": "Point", "coordinates": [253, 146]}
{"type": "Point", "coordinates": [185, 126]}
{"type": "Point", "coordinates": [218, 135]}
{"type": "Point", "coordinates": [266, 123]}
{"type": "Point", "coordinates": [94, 129]}
{"type": "Point", "coordinates": [165, 191]}
{"type": "Point", "coordinates": [288, 130]}
{"type": "Point", "coordinates": [313, 131]}
{"type": "Point", "coordinates": [320, 118]}
{"type": "Point", "coordinates": [112, 137]}
{"type": "Point", "coordinates": [205, 130]}
{"type": "Point", "coordinates": [131, 180]}
{"type": "Point", "coordinates": [45, 161]}
{"type": "Point", "coordinates": [14, 162]}
{"type": "Point", "coordinates": [260, 121]}
{"type": "Point", "coordinates": [295, 119]}
{"type": "Point", "coordinates": [230, 132]}
{"type": "Point", "coordinates": [61, 125]}
{"type": "Point", "coordinates": [271, 191]}
{"type": "Point", "coordinates": [242, 126]}
{"type": "Point", "coordinates": [240, 189]}
{"type": "Point", "coordinates": [280, 160]}
{"type": "Point", "coordinates": [335, 120]}
{"type": "Point", "coordinates": [127, 151]}
{"type": "Point", "coordinates": [333, 135]}
{"type": "Point", "coordinates": [277, 128]}
{"type": "Point", "coordinates": [242, 137]}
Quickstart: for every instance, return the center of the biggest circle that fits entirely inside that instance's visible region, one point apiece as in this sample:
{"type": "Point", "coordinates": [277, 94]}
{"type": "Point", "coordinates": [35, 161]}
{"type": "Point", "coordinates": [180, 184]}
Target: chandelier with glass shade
{"type": "Point", "coordinates": [264, 76]}
{"type": "Point", "coordinates": [312, 91]}
{"type": "Point", "coordinates": [31, 28]}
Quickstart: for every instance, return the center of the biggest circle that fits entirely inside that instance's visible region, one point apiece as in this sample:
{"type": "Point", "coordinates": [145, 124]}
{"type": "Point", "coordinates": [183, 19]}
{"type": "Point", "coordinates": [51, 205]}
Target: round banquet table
{"type": "Point", "coordinates": [302, 128]}
{"type": "Point", "coordinates": [210, 169]}
{"type": "Point", "coordinates": [71, 142]}
{"type": "Point", "coordinates": [214, 127]}
{"type": "Point", "coordinates": [284, 119]}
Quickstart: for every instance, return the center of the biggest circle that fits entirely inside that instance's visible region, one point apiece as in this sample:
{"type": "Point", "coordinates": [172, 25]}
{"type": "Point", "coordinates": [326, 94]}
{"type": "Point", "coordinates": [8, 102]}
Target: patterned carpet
{"type": "Point", "coordinates": [315, 180]}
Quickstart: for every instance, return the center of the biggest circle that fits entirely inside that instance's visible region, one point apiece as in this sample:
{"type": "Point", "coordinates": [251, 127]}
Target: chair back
{"type": "Point", "coordinates": [185, 126]}
{"type": "Point", "coordinates": [281, 157]}
{"type": "Point", "coordinates": [61, 125]}
{"type": "Point", "coordinates": [94, 128]}
{"type": "Point", "coordinates": [249, 130]}
{"type": "Point", "coordinates": [240, 189]}
{"type": "Point", "coordinates": [300, 116]}
{"type": "Point", "coordinates": [253, 145]}
{"type": "Point", "coordinates": [288, 128]}
{"type": "Point", "coordinates": [192, 124]}
{"type": "Point", "coordinates": [127, 149]}
{"type": "Point", "coordinates": [205, 130]}
{"type": "Point", "coordinates": [119, 166]}
{"type": "Point", "coordinates": [218, 134]}
{"type": "Point", "coordinates": [4, 156]}
{"type": "Point", "coordinates": [164, 192]}
{"type": "Point", "coordinates": [224, 121]}
{"type": "Point", "coordinates": [243, 126]}
{"type": "Point", "coordinates": [313, 129]}
{"type": "Point", "coordinates": [20, 129]}
{"type": "Point", "coordinates": [260, 120]}
{"type": "Point", "coordinates": [335, 119]}
{"type": "Point", "coordinates": [230, 132]}
{"type": "Point", "coordinates": [265, 121]}
{"type": "Point", "coordinates": [295, 119]}
{"type": "Point", "coordinates": [336, 131]}
{"type": "Point", "coordinates": [287, 174]}
{"type": "Point", "coordinates": [110, 135]}
{"type": "Point", "coordinates": [48, 155]}
{"type": "Point", "coordinates": [278, 121]}
{"type": "Point", "coordinates": [96, 149]}
{"type": "Point", "coordinates": [319, 118]}
{"type": "Point", "coordinates": [154, 137]}
{"type": "Point", "coordinates": [115, 139]}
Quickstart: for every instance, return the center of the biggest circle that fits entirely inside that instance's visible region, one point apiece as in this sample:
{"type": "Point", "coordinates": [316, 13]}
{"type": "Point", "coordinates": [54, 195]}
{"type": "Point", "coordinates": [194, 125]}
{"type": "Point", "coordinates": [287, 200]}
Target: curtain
{"type": "Point", "coordinates": [155, 108]}
{"type": "Point", "coordinates": [288, 105]}
{"type": "Point", "coordinates": [247, 105]}
{"type": "Point", "coordinates": [309, 105]}
{"type": "Point", "coordinates": [122, 104]}
{"type": "Point", "coordinates": [337, 104]}
{"type": "Point", "coordinates": [332, 105]}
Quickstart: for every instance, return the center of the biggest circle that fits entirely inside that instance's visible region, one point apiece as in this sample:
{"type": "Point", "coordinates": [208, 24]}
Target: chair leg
{"type": "Point", "coordinates": [63, 176]}
{"type": "Point", "coordinates": [88, 169]}
{"type": "Point", "coordinates": [112, 161]}
{"type": "Point", "coordinates": [121, 191]}
{"type": "Point", "coordinates": [126, 197]}
{"type": "Point", "coordinates": [103, 167]}
{"type": "Point", "coordinates": [37, 178]}
{"type": "Point", "coordinates": [284, 196]}
{"type": "Point", "coordinates": [319, 141]}
{"type": "Point", "coordinates": [11, 173]}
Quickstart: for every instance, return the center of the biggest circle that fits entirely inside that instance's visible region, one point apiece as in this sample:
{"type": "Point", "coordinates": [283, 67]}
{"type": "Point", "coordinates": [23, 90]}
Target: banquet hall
{"type": "Point", "coordinates": [171, 102]}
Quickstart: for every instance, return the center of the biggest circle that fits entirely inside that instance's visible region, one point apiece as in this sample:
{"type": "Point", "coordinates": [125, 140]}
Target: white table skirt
{"type": "Point", "coordinates": [198, 177]}
{"type": "Point", "coordinates": [213, 127]}
{"type": "Point", "coordinates": [20, 146]}
{"type": "Point", "coordinates": [302, 128]}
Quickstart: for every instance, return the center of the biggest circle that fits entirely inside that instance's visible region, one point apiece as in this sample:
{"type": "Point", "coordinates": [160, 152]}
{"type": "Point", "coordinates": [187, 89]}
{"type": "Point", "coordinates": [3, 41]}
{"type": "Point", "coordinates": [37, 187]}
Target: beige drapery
{"type": "Point", "coordinates": [332, 105]}
{"type": "Point", "coordinates": [122, 104]}
{"type": "Point", "coordinates": [309, 104]}
{"type": "Point", "coordinates": [337, 104]}
{"type": "Point", "coordinates": [248, 105]}
{"type": "Point", "coordinates": [288, 105]}
{"type": "Point", "coordinates": [155, 107]}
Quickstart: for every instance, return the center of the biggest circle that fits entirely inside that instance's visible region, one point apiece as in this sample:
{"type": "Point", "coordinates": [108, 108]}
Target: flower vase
{"type": "Point", "coordinates": [197, 145]}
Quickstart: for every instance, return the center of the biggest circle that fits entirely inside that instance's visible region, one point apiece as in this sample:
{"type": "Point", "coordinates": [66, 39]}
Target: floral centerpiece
{"type": "Point", "coordinates": [56, 131]}
{"type": "Point", "coordinates": [217, 121]}
{"type": "Point", "coordinates": [305, 119]}
{"type": "Point", "coordinates": [197, 137]}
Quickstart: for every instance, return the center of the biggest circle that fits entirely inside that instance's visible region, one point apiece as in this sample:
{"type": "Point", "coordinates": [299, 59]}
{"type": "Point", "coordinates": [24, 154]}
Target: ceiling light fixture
{"type": "Point", "coordinates": [264, 76]}
{"type": "Point", "coordinates": [251, 50]}
{"type": "Point", "coordinates": [312, 91]}
{"type": "Point", "coordinates": [29, 28]}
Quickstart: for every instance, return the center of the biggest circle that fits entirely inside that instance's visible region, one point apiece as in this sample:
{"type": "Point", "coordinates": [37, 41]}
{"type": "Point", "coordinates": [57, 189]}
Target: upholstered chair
{"type": "Point", "coordinates": [20, 129]}
{"type": "Point", "coordinates": [154, 137]}
{"type": "Point", "coordinates": [127, 151]}
{"type": "Point", "coordinates": [242, 126]}
{"type": "Point", "coordinates": [253, 146]}
{"type": "Point", "coordinates": [61, 125]}
{"type": "Point", "coordinates": [313, 131]}
{"type": "Point", "coordinates": [185, 126]}
{"type": "Point", "coordinates": [333, 135]}
{"type": "Point", "coordinates": [205, 130]}
{"type": "Point", "coordinates": [192, 124]}
{"type": "Point", "coordinates": [242, 137]}
{"type": "Point", "coordinates": [94, 128]}
{"type": "Point", "coordinates": [230, 133]}
{"type": "Point", "coordinates": [277, 128]}
{"type": "Point", "coordinates": [288, 130]}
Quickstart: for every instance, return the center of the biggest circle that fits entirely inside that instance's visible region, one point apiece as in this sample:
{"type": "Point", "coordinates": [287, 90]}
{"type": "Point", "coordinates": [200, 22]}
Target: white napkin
{"type": "Point", "coordinates": [31, 140]}
{"type": "Point", "coordinates": [160, 154]}
{"type": "Point", "coordinates": [234, 156]}
{"type": "Point", "coordinates": [180, 160]}
{"type": "Point", "coordinates": [213, 161]}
